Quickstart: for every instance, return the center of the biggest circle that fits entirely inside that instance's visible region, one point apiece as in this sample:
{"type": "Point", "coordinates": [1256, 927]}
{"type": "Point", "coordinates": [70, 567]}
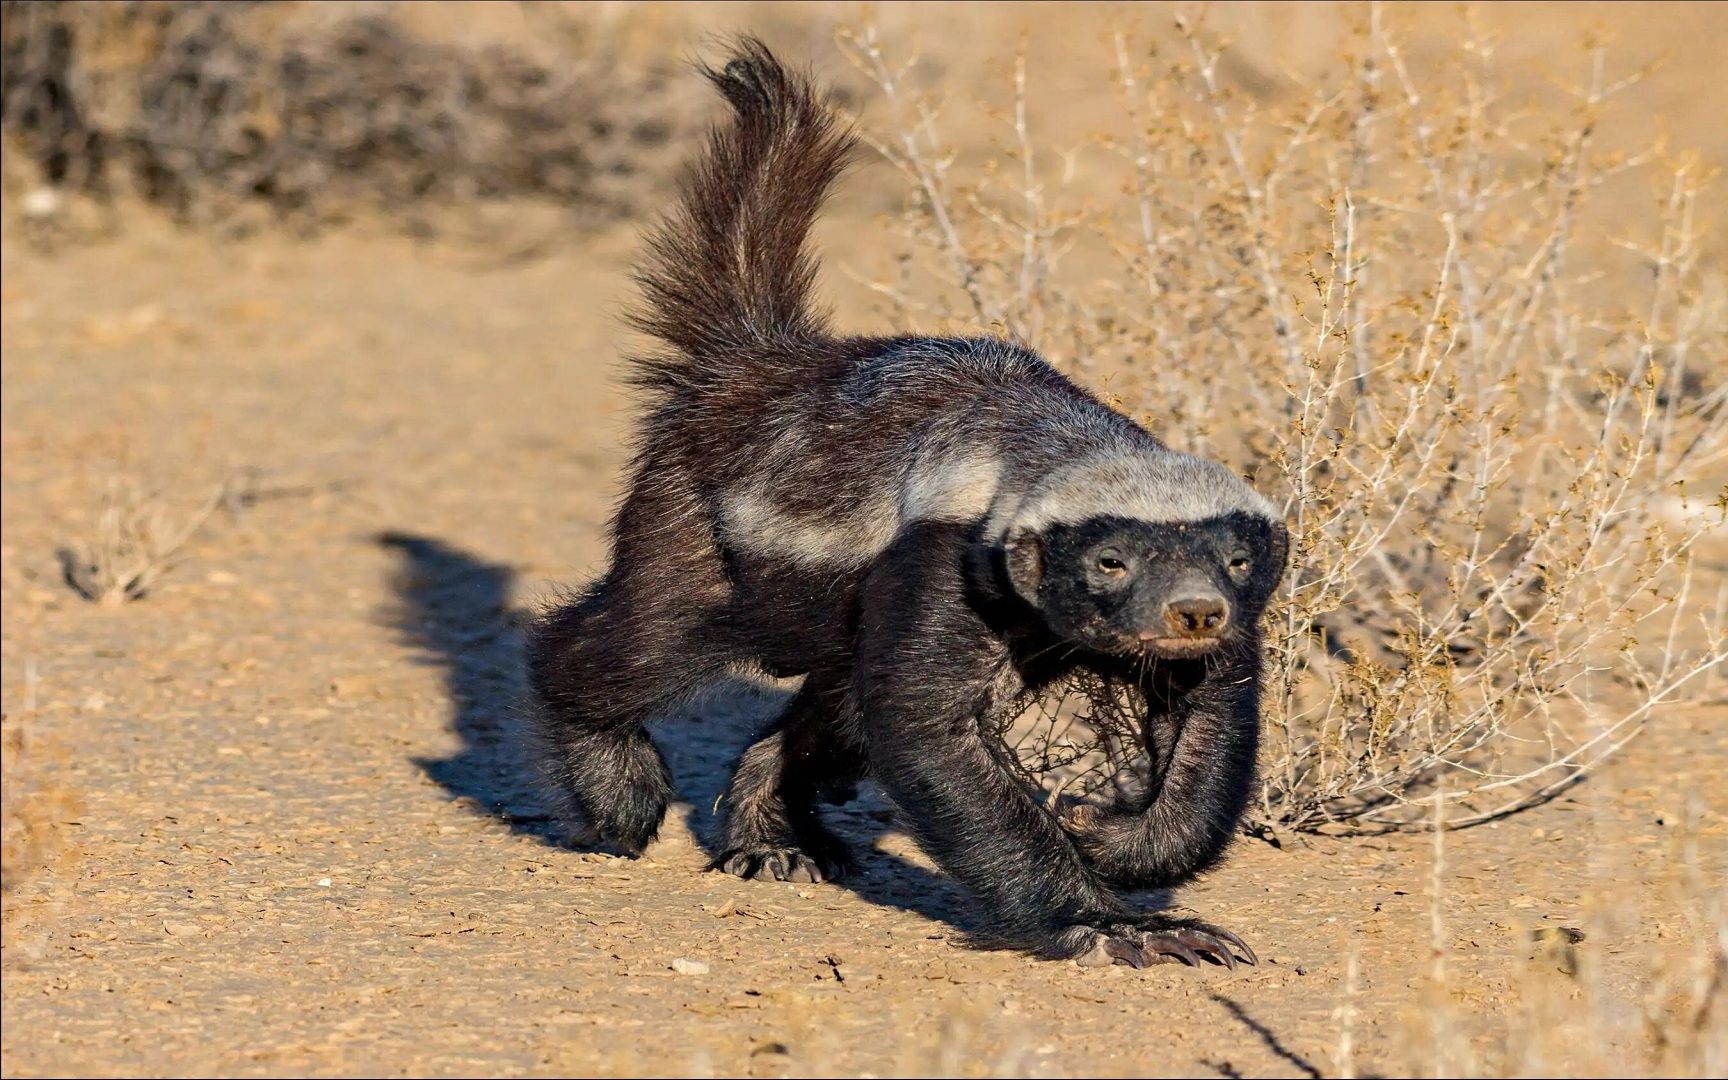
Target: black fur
{"type": "Point", "coordinates": [924, 529]}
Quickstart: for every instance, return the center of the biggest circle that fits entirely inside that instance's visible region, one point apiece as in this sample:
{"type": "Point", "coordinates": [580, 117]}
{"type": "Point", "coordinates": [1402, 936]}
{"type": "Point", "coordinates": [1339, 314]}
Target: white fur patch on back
{"type": "Point", "coordinates": [951, 488]}
{"type": "Point", "coordinates": [752, 520]}
{"type": "Point", "coordinates": [1145, 485]}
{"type": "Point", "coordinates": [938, 488]}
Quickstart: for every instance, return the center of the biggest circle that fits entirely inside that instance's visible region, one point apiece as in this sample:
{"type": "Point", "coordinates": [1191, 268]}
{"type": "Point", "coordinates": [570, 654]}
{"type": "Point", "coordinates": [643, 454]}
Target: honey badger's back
{"type": "Point", "coordinates": [807, 447]}
{"type": "Point", "coordinates": [748, 367]}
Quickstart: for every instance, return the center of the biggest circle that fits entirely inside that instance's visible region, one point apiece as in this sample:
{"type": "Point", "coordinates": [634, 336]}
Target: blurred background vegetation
{"type": "Point", "coordinates": [311, 114]}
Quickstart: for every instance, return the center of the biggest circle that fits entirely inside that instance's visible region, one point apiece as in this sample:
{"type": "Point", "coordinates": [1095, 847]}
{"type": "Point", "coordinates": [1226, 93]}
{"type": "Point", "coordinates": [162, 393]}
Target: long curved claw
{"type": "Point", "coordinates": [803, 869]}
{"type": "Point", "coordinates": [1171, 943]}
{"type": "Point", "coordinates": [1192, 943]}
{"type": "Point", "coordinates": [779, 864]}
{"type": "Point", "coordinates": [1109, 948]}
{"type": "Point", "coordinates": [740, 865]}
{"type": "Point", "coordinates": [1248, 954]}
{"type": "Point", "coordinates": [1241, 946]}
{"type": "Point", "coordinates": [1125, 952]}
{"type": "Point", "coordinates": [1207, 944]}
{"type": "Point", "coordinates": [773, 867]}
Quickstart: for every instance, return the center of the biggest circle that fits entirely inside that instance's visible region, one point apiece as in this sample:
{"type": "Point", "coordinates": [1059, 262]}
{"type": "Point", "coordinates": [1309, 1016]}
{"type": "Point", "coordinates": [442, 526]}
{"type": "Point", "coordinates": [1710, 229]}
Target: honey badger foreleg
{"type": "Point", "coordinates": [1207, 744]}
{"type": "Point", "coordinates": [928, 669]}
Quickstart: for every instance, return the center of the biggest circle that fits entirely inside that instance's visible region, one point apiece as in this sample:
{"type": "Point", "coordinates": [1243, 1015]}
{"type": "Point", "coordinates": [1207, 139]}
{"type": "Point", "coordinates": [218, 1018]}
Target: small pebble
{"type": "Point", "coordinates": [685, 966]}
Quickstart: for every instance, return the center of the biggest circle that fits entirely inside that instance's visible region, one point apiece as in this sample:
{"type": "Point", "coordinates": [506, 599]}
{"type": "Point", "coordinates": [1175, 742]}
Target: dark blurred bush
{"type": "Point", "coordinates": [316, 113]}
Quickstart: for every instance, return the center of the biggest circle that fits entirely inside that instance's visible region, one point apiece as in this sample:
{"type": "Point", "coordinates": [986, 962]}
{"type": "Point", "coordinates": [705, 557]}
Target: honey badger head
{"type": "Point", "coordinates": [1144, 552]}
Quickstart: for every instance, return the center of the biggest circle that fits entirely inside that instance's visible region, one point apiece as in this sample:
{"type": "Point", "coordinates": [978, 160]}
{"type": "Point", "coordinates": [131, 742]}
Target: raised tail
{"type": "Point", "coordinates": [728, 267]}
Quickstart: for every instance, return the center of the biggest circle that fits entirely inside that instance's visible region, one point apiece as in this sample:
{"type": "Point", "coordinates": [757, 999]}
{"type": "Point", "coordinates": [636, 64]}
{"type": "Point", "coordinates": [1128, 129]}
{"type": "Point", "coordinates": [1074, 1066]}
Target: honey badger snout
{"type": "Point", "coordinates": [1202, 615]}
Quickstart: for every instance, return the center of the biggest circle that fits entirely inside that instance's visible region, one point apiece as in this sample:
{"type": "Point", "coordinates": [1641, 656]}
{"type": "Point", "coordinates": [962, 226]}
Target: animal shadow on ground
{"type": "Point", "coordinates": [455, 609]}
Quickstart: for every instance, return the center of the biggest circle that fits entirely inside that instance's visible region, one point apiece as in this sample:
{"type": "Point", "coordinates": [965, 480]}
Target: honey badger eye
{"type": "Point", "coordinates": [1110, 564]}
{"type": "Point", "coordinates": [1239, 565]}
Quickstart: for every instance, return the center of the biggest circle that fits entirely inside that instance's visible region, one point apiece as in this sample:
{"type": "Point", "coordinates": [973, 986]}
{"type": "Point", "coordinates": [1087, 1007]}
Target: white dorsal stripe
{"type": "Point", "coordinates": [1152, 485]}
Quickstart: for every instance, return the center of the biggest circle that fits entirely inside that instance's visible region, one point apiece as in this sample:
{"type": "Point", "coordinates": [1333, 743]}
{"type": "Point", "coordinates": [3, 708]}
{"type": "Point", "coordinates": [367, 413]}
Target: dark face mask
{"type": "Point", "coordinates": [1173, 589]}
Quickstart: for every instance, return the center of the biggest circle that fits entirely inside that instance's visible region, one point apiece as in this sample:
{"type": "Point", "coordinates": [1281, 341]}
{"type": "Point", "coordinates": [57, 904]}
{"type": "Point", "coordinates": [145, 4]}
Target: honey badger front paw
{"type": "Point", "coordinates": [1158, 941]}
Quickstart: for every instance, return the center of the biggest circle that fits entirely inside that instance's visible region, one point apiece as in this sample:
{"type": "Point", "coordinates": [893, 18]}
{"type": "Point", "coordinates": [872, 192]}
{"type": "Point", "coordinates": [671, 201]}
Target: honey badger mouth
{"type": "Point", "coordinates": [1178, 648]}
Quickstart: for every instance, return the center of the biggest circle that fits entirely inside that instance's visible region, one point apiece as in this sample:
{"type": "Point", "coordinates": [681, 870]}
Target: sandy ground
{"type": "Point", "coordinates": [301, 841]}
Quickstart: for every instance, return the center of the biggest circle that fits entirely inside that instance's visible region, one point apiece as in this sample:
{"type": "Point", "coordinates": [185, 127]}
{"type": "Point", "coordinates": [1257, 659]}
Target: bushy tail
{"type": "Point", "coordinates": [728, 267]}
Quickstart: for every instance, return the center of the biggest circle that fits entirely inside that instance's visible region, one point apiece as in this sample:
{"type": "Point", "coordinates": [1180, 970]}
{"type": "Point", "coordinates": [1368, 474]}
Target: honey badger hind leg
{"type": "Point", "coordinates": [771, 830]}
{"type": "Point", "coordinates": [626, 651]}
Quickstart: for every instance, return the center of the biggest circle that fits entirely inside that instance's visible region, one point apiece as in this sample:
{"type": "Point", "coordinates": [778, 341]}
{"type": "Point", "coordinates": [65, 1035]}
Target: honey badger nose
{"type": "Point", "coordinates": [1197, 616]}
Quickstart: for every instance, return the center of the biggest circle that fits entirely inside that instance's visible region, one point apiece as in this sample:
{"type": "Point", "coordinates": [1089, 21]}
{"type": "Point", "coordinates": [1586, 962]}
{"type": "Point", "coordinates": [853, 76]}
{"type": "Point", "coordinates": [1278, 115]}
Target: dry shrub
{"type": "Point", "coordinates": [205, 108]}
{"type": "Point", "coordinates": [1487, 385]}
{"type": "Point", "coordinates": [136, 539]}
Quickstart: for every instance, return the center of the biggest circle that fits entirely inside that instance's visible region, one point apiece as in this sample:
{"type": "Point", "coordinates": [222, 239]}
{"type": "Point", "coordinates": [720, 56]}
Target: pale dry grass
{"type": "Point", "coordinates": [1595, 999]}
{"type": "Point", "coordinates": [137, 537]}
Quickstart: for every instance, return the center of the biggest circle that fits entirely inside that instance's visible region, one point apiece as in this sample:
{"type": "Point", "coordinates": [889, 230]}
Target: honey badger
{"type": "Point", "coordinates": [924, 529]}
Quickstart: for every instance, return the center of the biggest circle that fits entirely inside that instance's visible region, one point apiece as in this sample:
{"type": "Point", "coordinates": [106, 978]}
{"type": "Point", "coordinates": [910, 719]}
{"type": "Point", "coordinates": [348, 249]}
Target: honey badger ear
{"type": "Point", "coordinates": [1280, 550]}
{"type": "Point", "coordinates": [1023, 554]}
